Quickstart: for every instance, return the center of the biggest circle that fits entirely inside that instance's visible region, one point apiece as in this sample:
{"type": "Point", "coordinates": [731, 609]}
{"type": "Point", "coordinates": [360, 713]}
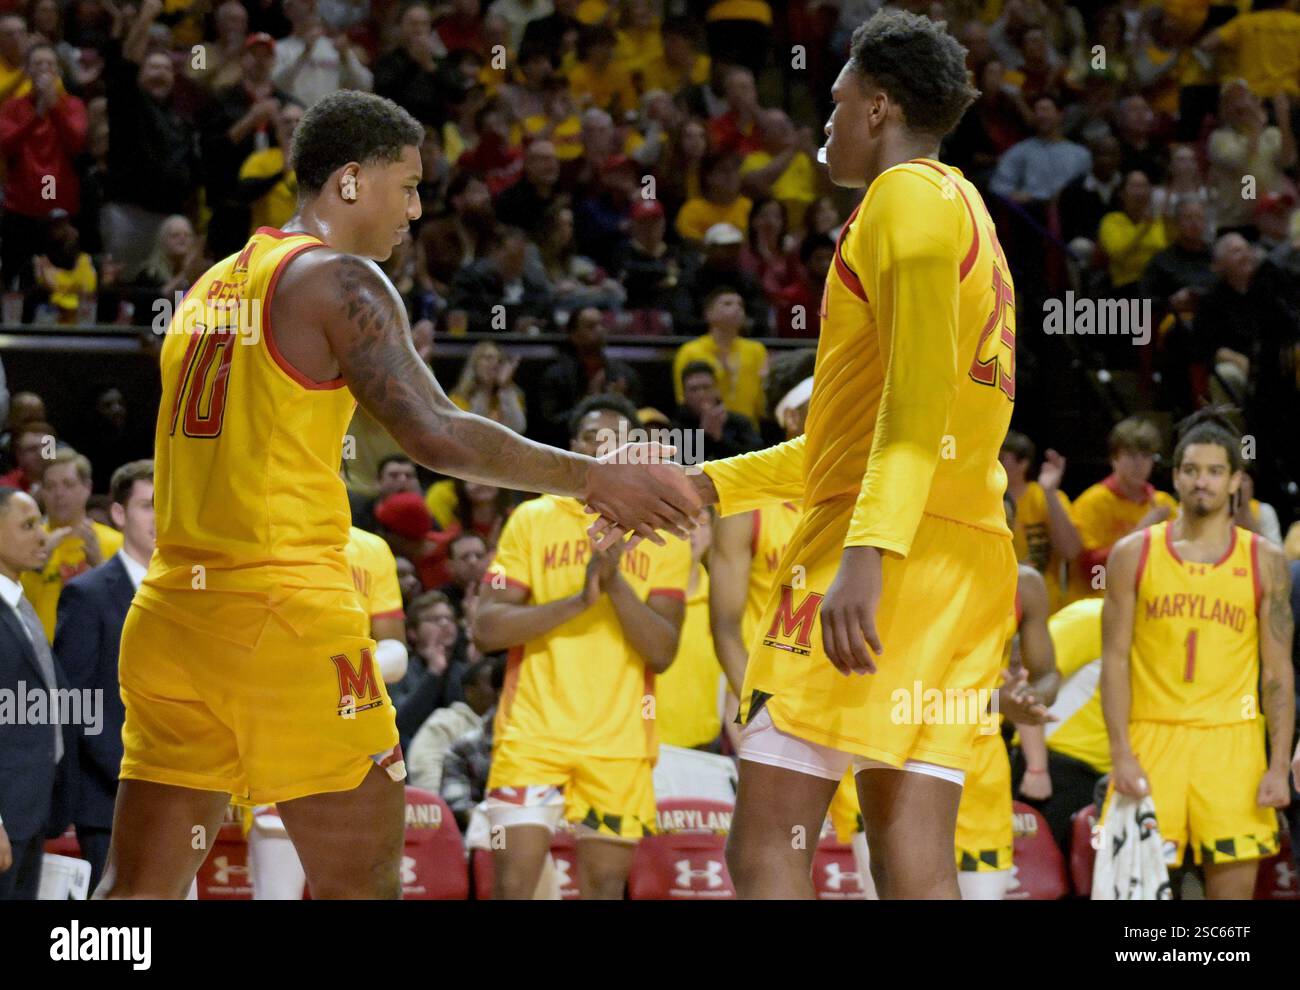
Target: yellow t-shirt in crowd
{"type": "Point", "coordinates": [567, 135]}
{"type": "Point", "coordinates": [698, 214]}
{"type": "Point", "coordinates": [1130, 246]}
{"type": "Point", "coordinates": [601, 87]}
{"type": "Point", "coordinates": [581, 687]}
{"type": "Point", "coordinates": [275, 206]}
{"type": "Point", "coordinates": [635, 50]}
{"type": "Point", "coordinates": [740, 10]}
{"type": "Point", "coordinates": [1034, 545]}
{"type": "Point", "coordinates": [796, 187]}
{"type": "Point", "coordinates": [374, 572]}
{"type": "Point", "coordinates": [66, 561]}
{"type": "Point", "coordinates": [687, 694]}
{"type": "Point", "coordinates": [658, 74]}
{"type": "Point", "coordinates": [1265, 46]}
{"type": "Point", "coordinates": [740, 375]}
{"type": "Point", "coordinates": [442, 502]}
{"type": "Point", "coordinates": [71, 284]}
{"type": "Point", "coordinates": [1102, 514]}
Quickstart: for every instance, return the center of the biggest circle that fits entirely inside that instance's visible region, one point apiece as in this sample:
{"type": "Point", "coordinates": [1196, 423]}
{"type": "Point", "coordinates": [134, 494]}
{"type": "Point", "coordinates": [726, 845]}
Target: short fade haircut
{"type": "Point", "coordinates": [1136, 435]}
{"type": "Point", "coordinates": [699, 368]}
{"type": "Point", "coordinates": [1019, 445]}
{"type": "Point", "coordinates": [349, 126]}
{"type": "Point", "coordinates": [125, 477]}
{"type": "Point", "coordinates": [66, 455]}
{"type": "Point", "coordinates": [1211, 425]}
{"type": "Point", "coordinates": [606, 402]}
{"type": "Point", "coordinates": [918, 64]}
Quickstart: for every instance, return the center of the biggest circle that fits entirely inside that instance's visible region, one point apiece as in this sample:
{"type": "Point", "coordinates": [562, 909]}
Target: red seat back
{"type": "Point", "coordinates": [1082, 855]}
{"type": "Point", "coordinates": [1276, 880]}
{"type": "Point", "coordinates": [224, 874]}
{"type": "Point", "coordinates": [65, 845]}
{"type": "Point", "coordinates": [1038, 869]}
{"type": "Point", "coordinates": [835, 872]}
{"type": "Point", "coordinates": [433, 857]}
{"type": "Point", "coordinates": [687, 859]}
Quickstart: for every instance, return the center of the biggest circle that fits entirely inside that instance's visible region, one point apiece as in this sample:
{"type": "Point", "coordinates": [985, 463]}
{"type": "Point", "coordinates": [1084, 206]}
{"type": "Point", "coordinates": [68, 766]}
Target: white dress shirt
{"type": "Point", "coordinates": [134, 569]}
{"type": "Point", "coordinates": [10, 592]}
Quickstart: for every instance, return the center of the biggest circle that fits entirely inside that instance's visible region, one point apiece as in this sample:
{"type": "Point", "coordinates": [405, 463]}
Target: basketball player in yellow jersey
{"type": "Point", "coordinates": [374, 575]}
{"type": "Point", "coordinates": [587, 631]}
{"type": "Point", "coordinates": [905, 563]}
{"type": "Point", "coordinates": [1197, 613]}
{"type": "Point", "coordinates": [246, 668]}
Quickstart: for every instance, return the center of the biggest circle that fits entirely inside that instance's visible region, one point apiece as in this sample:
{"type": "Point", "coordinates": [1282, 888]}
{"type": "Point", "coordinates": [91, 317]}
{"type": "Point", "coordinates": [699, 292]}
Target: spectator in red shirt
{"type": "Point", "coordinates": [33, 445]}
{"type": "Point", "coordinates": [41, 133]}
{"type": "Point", "coordinates": [737, 129]}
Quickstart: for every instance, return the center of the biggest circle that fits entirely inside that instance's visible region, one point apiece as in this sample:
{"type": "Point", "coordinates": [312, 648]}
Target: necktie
{"type": "Point", "coordinates": [45, 660]}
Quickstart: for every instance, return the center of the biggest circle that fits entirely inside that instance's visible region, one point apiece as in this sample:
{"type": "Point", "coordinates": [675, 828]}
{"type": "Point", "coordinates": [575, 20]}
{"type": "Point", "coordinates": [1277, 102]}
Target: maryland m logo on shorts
{"type": "Point", "coordinates": [792, 627]}
{"type": "Point", "coordinates": [358, 690]}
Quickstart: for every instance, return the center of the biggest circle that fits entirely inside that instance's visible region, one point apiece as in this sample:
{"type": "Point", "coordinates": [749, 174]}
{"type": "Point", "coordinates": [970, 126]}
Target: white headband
{"type": "Point", "coordinates": [794, 398]}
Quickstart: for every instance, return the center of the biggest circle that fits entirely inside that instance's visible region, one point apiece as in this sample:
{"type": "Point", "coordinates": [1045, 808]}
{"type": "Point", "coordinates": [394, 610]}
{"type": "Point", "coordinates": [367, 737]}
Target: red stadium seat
{"type": "Point", "coordinates": [686, 860]}
{"type": "Point", "coordinates": [65, 845]}
{"type": "Point", "coordinates": [1038, 869]}
{"type": "Point", "coordinates": [224, 874]}
{"type": "Point", "coordinates": [835, 872]}
{"type": "Point", "coordinates": [433, 858]}
{"type": "Point", "coordinates": [1082, 855]}
{"type": "Point", "coordinates": [564, 852]}
{"type": "Point", "coordinates": [1277, 879]}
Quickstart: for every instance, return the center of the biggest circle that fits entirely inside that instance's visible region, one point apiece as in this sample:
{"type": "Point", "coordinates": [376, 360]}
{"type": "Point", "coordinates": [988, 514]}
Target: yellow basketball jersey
{"type": "Point", "coordinates": [940, 364]}
{"type": "Point", "coordinates": [687, 710]}
{"type": "Point", "coordinates": [773, 527]}
{"type": "Point", "coordinates": [374, 574]}
{"type": "Point", "coordinates": [247, 450]}
{"type": "Point", "coordinates": [1195, 654]}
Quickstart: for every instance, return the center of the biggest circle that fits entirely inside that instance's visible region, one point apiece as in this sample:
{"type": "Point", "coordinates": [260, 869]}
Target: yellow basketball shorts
{"type": "Point", "coordinates": [941, 620]}
{"type": "Point", "coordinates": [614, 797]}
{"type": "Point", "coordinates": [845, 811]}
{"type": "Point", "coordinates": [289, 704]}
{"type": "Point", "coordinates": [1203, 782]}
{"type": "Point", "coordinates": [984, 830]}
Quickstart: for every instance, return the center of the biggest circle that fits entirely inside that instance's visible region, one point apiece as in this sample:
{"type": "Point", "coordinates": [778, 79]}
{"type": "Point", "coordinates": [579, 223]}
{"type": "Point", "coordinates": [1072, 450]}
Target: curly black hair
{"type": "Point", "coordinates": [919, 64]}
{"type": "Point", "coordinates": [350, 126]}
{"type": "Point", "coordinates": [608, 401]}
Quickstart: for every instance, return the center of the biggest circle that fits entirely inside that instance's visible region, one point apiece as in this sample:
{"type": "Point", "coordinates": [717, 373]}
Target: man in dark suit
{"type": "Point", "coordinates": [92, 609]}
{"type": "Point", "coordinates": [35, 782]}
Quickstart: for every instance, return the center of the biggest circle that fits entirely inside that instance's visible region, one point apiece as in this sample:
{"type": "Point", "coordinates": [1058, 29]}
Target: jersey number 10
{"type": "Point", "coordinates": [205, 375]}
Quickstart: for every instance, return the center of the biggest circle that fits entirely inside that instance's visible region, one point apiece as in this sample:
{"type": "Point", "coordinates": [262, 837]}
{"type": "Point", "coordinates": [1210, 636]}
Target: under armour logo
{"type": "Point", "coordinates": [1285, 876]}
{"type": "Point", "coordinates": [837, 877]}
{"type": "Point", "coordinates": [563, 877]}
{"type": "Point", "coordinates": [711, 874]}
{"type": "Point", "coordinates": [223, 870]}
{"type": "Point", "coordinates": [408, 871]}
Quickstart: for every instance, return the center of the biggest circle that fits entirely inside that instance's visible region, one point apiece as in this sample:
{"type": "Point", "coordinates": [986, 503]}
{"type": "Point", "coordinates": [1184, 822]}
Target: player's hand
{"type": "Point", "coordinates": [1017, 702]}
{"type": "Point", "coordinates": [1128, 777]}
{"type": "Point", "coordinates": [1036, 785]}
{"type": "Point", "coordinates": [1274, 789]}
{"type": "Point", "coordinates": [640, 489]}
{"type": "Point", "coordinates": [849, 612]}
{"type": "Point", "coordinates": [591, 587]}
{"type": "Point", "coordinates": [607, 562]}
{"type": "Point", "coordinates": [1052, 471]}
{"type": "Point", "coordinates": [6, 854]}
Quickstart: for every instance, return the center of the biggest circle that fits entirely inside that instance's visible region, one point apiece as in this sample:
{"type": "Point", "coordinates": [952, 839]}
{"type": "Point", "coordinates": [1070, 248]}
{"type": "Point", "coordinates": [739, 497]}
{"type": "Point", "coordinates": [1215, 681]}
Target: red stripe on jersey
{"type": "Point", "coordinates": [269, 337]}
{"type": "Point", "coordinates": [1254, 569]}
{"type": "Point", "coordinates": [1142, 558]}
{"type": "Point", "coordinates": [677, 593]}
{"type": "Point", "coordinates": [847, 275]}
{"type": "Point", "coordinates": [973, 251]}
{"type": "Point", "coordinates": [396, 613]}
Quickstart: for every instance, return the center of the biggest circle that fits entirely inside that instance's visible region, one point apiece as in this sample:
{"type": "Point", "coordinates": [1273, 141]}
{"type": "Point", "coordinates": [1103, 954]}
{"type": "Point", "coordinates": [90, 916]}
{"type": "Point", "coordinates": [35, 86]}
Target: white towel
{"type": "Point", "coordinates": [1130, 864]}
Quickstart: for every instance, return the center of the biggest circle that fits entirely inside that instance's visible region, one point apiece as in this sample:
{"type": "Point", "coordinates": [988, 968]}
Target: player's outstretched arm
{"type": "Point", "coordinates": [1036, 650]}
{"type": "Point", "coordinates": [752, 480]}
{"type": "Point", "coordinates": [366, 326]}
{"type": "Point", "coordinates": [1116, 642]}
{"type": "Point", "coordinates": [1277, 689]}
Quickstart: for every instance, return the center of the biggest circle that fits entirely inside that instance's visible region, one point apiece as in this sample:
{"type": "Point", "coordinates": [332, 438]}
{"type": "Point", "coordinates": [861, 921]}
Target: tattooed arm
{"type": "Point", "coordinates": [366, 329]}
{"type": "Point", "coordinates": [1276, 628]}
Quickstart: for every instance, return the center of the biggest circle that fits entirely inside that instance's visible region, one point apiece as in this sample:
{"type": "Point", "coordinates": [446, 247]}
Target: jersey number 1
{"type": "Point", "coordinates": [205, 376]}
{"type": "Point", "coordinates": [1189, 671]}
